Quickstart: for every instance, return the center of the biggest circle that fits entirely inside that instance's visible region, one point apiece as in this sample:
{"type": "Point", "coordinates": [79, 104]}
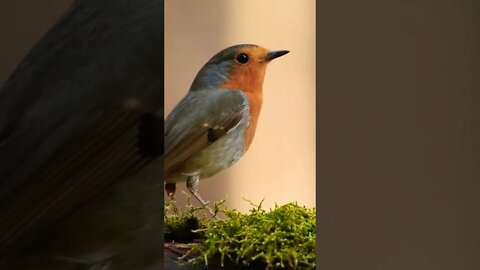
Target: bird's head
{"type": "Point", "coordinates": [240, 67]}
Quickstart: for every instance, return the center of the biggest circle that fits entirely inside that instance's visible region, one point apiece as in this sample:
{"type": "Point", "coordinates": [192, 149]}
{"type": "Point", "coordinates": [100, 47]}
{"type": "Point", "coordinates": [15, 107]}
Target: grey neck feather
{"type": "Point", "coordinates": [211, 75]}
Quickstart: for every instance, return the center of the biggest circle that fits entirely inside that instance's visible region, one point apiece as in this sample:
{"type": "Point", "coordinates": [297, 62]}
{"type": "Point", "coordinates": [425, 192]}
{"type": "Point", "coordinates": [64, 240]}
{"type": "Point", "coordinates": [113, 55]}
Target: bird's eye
{"type": "Point", "coordinates": [242, 58]}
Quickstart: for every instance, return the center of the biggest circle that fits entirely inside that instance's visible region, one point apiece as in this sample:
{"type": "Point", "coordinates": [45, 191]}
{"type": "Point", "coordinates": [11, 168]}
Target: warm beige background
{"type": "Point", "coordinates": [280, 165]}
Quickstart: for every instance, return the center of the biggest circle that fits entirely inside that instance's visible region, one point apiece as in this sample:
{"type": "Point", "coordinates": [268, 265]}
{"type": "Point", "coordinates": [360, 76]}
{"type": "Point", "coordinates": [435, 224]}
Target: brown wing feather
{"type": "Point", "coordinates": [199, 137]}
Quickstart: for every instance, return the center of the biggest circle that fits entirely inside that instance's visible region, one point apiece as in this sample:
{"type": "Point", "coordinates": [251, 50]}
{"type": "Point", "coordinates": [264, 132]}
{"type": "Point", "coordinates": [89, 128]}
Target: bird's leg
{"type": "Point", "coordinates": [170, 189]}
{"type": "Point", "coordinates": [192, 185]}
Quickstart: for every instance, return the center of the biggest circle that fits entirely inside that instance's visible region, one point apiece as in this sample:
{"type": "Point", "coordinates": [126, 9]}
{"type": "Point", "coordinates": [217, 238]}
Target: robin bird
{"type": "Point", "coordinates": [214, 124]}
{"type": "Point", "coordinates": [81, 127]}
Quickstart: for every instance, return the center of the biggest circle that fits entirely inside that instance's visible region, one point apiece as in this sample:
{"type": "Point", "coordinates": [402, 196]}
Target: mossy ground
{"type": "Point", "coordinates": [282, 238]}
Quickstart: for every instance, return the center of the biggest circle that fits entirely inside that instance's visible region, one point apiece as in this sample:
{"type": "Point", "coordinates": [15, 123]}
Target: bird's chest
{"type": "Point", "coordinates": [255, 101]}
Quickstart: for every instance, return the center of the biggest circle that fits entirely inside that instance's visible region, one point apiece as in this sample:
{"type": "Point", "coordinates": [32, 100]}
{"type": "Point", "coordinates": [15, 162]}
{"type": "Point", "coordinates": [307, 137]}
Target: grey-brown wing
{"type": "Point", "coordinates": [200, 119]}
{"type": "Point", "coordinates": [74, 115]}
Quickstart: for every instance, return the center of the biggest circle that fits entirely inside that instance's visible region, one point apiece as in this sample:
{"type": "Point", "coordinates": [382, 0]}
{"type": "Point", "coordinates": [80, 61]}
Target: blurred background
{"type": "Point", "coordinates": [280, 164]}
{"type": "Point", "coordinates": [399, 134]}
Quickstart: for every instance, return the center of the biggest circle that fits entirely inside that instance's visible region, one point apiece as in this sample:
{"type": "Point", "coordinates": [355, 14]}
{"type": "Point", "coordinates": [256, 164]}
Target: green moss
{"type": "Point", "coordinates": [180, 224]}
{"type": "Point", "coordinates": [283, 237]}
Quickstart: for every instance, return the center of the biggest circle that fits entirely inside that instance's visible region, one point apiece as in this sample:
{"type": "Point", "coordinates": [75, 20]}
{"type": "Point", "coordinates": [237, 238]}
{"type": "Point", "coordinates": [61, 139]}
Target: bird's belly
{"type": "Point", "coordinates": [218, 156]}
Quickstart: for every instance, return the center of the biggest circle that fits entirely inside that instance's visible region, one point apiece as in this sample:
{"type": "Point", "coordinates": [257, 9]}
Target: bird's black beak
{"type": "Point", "coordinates": [274, 54]}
